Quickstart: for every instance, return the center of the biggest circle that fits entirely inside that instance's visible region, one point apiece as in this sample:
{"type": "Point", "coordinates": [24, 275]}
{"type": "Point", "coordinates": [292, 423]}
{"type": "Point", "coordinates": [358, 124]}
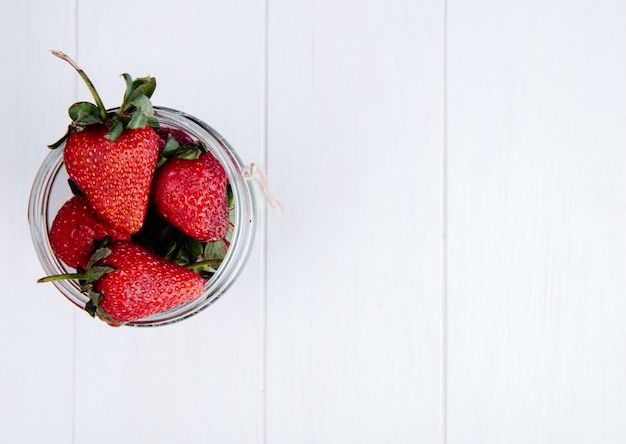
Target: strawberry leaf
{"type": "Point", "coordinates": [189, 151]}
{"type": "Point", "coordinates": [171, 145]}
{"type": "Point", "coordinates": [153, 122]}
{"type": "Point", "coordinates": [115, 131]}
{"type": "Point", "coordinates": [91, 308]}
{"type": "Point", "coordinates": [140, 86]}
{"type": "Point", "coordinates": [168, 150]}
{"type": "Point", "coordinates": [138, 120]}
{"type": "Point", "coordinates": [193, 246]}
{"type": "Point", "coordinates": [137, 103]}
{"type": "Point", "coordinates": [129, 86]}
{"type": "Point", "coordinates": [94, 301]}
{"type": "Point", "coordinates": [79, 111]}
{"type": "Point", "coordinates": [214, 250]}
{"type": "Point", "coordinates": [84, 119]}
{"type": "Point", "coordinates": [183, 255]}
{"type": "Point", "coordinates": [169, 249]}
{"type": "Point", "coordinates": [98, 255]}
{"type": "Point", "coordinates": [168, 232]}
{"type": "Point", "coordinates": [229, 194]}
{"type": "Point", "coordinates": [143, 104]}
{"type": "Point", "coordinates": [97, 271]}
{"type": "Point", "coordinates": [76, 191]}
{"type": "Point", "coordinates": [61, 141]}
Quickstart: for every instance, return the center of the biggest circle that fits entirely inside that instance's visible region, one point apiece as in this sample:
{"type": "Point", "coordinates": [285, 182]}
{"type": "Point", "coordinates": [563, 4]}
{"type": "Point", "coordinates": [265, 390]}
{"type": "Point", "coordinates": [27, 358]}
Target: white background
{"type": "Point", "coordinates": [450, 264]}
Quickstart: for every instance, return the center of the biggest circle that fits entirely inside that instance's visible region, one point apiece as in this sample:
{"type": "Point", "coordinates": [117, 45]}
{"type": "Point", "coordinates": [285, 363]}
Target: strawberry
{"type": "Point", "coordinates": [126, 282]}
{"type": "Point", "coordinates": [114, 176]}
{"type": "Point", "coordinates": [143, 284]}
{"type": "Point", "coordinates": [111, 156]}
{"type": "Point", "coordinates": [191, 194]}
{"type": "Point", "coordinates": [75, 229]}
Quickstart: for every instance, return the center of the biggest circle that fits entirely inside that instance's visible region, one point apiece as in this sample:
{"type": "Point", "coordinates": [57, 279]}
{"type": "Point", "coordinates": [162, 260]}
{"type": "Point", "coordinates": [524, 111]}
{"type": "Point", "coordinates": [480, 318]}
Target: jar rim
{"type": "Point", "coordinates": [244, 223]}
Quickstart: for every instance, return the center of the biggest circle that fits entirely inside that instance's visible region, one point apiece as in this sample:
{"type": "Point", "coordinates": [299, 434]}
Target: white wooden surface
{"type": "Point", "coordinates": [450, 264]}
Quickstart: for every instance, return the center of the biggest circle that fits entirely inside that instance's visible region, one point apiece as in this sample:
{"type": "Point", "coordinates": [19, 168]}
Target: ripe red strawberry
{"type": "Point", "coordinates": [75, 229]}
{"type": "Point", "coordinates": [114, 176]}
{"type": "Point", "coordinates": [126, 282]}
{"type": "Point", "coordinates": [143, 284]}
{"type": "Point", "coordinates": [191, 194]}
{"type": "Point", "coordinates": [112, 155]}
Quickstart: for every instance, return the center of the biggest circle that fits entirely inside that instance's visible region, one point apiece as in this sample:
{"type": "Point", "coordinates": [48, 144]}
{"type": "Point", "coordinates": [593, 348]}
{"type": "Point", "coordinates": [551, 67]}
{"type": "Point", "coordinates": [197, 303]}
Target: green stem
{"type": "Point", "coordinates": [92, 89]}
{"type": "Point", "coordinates": [200, 264]}
{"type": "Point", "coordinates": [64, 277]}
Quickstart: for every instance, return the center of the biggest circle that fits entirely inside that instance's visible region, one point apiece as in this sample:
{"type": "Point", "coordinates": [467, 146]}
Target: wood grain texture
{"type": "Point", "coordinates": [449, 266]}
{"type": "Point", "coordinates": [36, 329]}
{"type": "Point", "coordinates": [353, 263]}
{"type": "Point", "coordinates": [536, 245]}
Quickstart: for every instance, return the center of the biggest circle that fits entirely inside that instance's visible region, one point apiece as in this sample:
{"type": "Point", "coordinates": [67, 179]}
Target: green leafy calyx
{"type": "Point", "coordinates": [165, 240]}
{"type": "Point", "coordinates": [87, 277]}
{"type": "Point", "coordinates": [188, 151]}
{"type": "Point", "coordinates": [135, 111]}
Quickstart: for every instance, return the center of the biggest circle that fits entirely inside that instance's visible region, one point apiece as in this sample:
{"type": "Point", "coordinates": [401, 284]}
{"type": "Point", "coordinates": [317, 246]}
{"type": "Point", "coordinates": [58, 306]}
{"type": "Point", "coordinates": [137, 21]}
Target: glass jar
{"type": "Point", "coordinates": [50, 191]}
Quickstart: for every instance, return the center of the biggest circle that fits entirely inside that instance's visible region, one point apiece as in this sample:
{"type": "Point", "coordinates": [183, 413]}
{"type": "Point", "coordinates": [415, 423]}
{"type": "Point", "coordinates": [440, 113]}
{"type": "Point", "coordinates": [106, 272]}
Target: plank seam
{"type": "Point", "coordinates": [444, 230]}
{"type": "Point", "coordinates": [264, 235]}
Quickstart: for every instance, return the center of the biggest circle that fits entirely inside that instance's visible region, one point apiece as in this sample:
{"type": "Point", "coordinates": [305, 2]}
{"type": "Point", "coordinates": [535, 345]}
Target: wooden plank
{"type": "Point", "coordinates": [354, 152]}
{"type": "Point", "coordinates": [536, 240]}
{"type": "Point", "coordinates": [197, 381]}
{"type": "Point", "coordinates": [36, 322]}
